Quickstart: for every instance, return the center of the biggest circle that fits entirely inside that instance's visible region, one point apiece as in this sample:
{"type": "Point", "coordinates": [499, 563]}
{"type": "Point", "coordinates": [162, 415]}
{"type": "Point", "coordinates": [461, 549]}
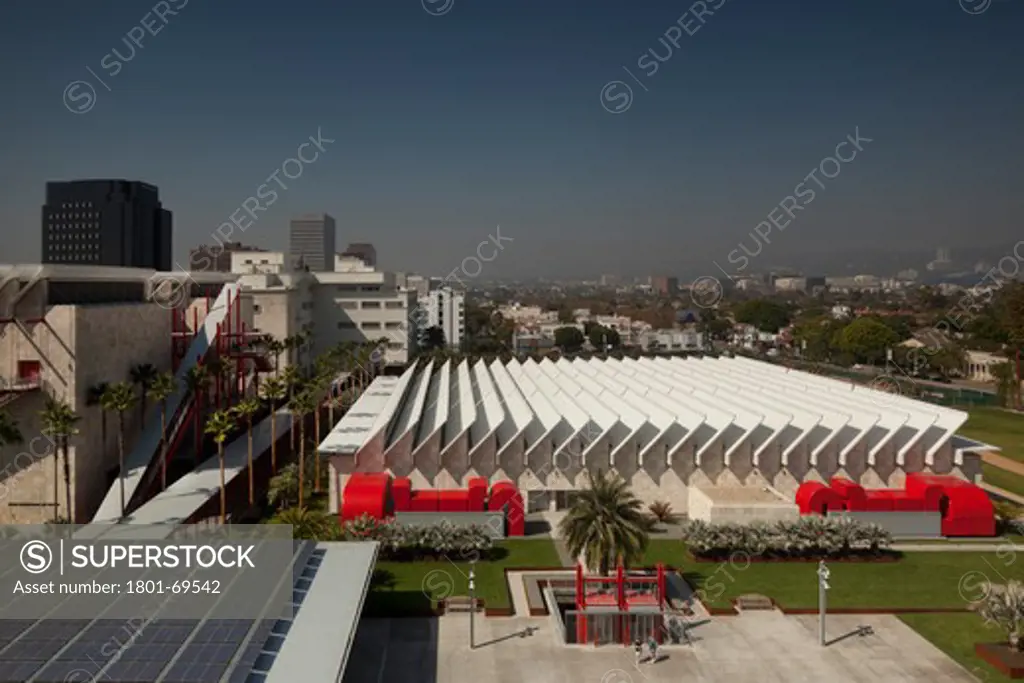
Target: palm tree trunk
{"type": "Point", "coordinates": [56, 480]}
{"type": "Point", "coordinates": [67, 481]}
{"type": "Point", "coordinates": [142, 409]}
{"type": "Point", "coordinates": [120, 458]}
{"type": "Point", "coordinates": [163, 448]}
{"type": "Point", "coordinates": [273, 439]}
{"type": "Point", "coordinates": [302, 459]}
{"type": "Point", "coordinates": [223, 492]}
{"type": "Point", "coordinates": [316, 461]}
{"type": "Point", "coordinates": [252, 484]}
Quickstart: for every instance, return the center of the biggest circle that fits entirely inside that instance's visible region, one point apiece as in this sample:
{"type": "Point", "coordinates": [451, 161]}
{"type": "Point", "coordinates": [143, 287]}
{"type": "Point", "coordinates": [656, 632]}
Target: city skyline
{"type": "Point", "coordinates": [422, 152]}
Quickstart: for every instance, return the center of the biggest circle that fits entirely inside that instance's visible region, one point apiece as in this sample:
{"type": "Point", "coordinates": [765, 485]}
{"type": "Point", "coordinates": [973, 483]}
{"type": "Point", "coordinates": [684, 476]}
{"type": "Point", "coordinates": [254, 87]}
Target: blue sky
{"type": "Point", "coordinates": [491, 114]}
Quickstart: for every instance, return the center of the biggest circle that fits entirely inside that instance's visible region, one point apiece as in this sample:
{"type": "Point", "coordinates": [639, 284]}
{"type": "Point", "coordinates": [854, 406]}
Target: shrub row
{"type": "Point", "coordinates": [412, 542]}
{"type": "Point", "coordinates": [810, 536]}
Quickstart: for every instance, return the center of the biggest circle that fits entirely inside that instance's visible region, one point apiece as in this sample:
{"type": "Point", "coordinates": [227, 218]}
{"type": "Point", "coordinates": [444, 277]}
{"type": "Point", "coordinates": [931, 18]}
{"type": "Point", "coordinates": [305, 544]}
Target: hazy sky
{"type": "Point", "coordinates": [491, 112]}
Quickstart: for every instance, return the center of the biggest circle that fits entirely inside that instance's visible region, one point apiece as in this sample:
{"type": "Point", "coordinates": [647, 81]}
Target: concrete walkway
{"type": "Point", "coordinates": [1003, 463]}
{"type": "Point", "coordinates": [1003, 493]}
{"type": "Point", "coordinates": [957, 547]}
{"type": "Point", "coordinates": [759, 647]}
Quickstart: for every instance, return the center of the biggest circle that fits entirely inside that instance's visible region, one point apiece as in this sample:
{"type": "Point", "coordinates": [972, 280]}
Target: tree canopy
{"type": "Point", "coordinates": [766, 316]}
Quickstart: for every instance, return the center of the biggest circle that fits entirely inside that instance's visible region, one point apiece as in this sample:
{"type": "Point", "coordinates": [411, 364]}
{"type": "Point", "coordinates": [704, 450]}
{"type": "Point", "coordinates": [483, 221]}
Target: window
{"type": "Point", "coordinates": [349, 305]}
{"type": "Point", "coordinates": [394, 304]}
{"type": "Point", "coordinates": [371, 304]}
{"type": "Point", "coordinates": [371, 326]}
{"type": "Point", "coordinates": [395, 346]}
{"type": "Point", "coordinates": [393, 326]}
{"type": "Point", "coordinates": [370, 288]}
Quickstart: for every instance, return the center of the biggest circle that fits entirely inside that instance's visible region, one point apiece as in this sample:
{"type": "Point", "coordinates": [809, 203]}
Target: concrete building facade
{"type": "Point", "coordinates": [445, 308]}
{"type": "Point", "coordinates": [351, 303]}
{"type": "Point", "coordinates": [63, 330]}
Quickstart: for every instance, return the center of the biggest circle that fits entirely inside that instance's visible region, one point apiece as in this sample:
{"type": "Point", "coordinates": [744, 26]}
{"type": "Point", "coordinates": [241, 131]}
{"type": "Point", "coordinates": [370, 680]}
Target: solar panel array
{"type": "Point", "coordinates": [159, 650]}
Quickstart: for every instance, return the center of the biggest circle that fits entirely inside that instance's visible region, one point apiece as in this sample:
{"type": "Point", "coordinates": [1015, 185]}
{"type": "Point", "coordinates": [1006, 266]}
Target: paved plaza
{"type": "Point", "coordinates": [756, 647]}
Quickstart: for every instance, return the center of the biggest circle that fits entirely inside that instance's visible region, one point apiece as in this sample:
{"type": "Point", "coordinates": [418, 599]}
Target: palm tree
{"type": "Point", "coordinates": [162, 387]}
{"type": "Point", "coordinates": [197, 379]}
{"type": "Point", "coordinates": [276, 347]}
{"type": "Point", "coordinates": [274, 392]}
{"type": "Point", "coordinates": [120, 398]}
{"type": "Point", "coordinates": [220, 424]}
{"type": "Point", "coordinates": [316, 393]}
{"type": "Point", "coordinates": [143, 374]}
{"type": "Point", "coordinates": [606, 522]}
{"type": "Point", "coordinates": [292, 380]}
{"type": "Point", "coordinates": [300, 406]}
{"type": "Point", "coordinates": [246, 409]}
{"type": "Point", "coordinates": [94, 397]}
{"type": "Point", "coordinates": [59, 423]}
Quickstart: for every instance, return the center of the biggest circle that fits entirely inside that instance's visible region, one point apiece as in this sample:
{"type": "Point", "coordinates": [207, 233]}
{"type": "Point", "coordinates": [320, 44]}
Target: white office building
{"type": "Point", "coordinates": [353, 302]}
{"type": "Point", "coordinates": [445, 308]}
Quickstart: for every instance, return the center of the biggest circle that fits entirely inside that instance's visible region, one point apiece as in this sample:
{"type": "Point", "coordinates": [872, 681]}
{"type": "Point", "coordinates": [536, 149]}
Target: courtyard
{"type": "Point", "coordinates": [755, 646]}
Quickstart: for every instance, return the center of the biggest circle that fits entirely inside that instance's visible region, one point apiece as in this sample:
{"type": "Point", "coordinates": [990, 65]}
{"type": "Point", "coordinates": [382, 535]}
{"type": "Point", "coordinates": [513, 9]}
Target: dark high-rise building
{"type": "Point", "coordinates": [364, 251]}
{"type": "Point", "coordinates": [106, 223]}
{"type": "Point", "coordinates": [311, 242]}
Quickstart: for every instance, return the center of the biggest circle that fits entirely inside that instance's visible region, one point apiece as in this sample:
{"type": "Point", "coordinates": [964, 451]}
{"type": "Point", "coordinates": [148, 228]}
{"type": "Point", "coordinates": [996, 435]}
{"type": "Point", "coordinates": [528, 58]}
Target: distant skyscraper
{"type": "Point", "coordinates": [311, 241]}
{"type": "Point", "coordinates": [106, 223]}
{"type": "Point", "coordinates": [364, 251]}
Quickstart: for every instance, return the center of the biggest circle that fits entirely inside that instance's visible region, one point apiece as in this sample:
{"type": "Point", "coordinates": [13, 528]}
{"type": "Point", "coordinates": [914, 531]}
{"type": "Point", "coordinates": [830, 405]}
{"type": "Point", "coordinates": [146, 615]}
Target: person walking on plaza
{"type": "Point", "coordinates": [638, 650]}
{"type": "Point", "coordinates": [652, 645]}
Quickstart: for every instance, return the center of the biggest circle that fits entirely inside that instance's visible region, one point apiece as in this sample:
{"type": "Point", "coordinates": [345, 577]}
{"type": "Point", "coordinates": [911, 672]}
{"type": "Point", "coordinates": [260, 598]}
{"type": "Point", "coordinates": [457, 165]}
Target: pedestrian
{"type": "Point", "coordinates": [652, 645]}
{"type": "Point", "coordinates": [638, 650]}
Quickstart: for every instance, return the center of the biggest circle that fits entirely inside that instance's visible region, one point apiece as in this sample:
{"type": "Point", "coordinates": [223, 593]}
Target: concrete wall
{"type": "Point", "coordinates": [703, 507]}
{"type": "Point", "coordinates": [78, 347]}
{"type": "Point", "coordinates": [900, 524]}
{"type": "Point", "coordinates": [492, 522]}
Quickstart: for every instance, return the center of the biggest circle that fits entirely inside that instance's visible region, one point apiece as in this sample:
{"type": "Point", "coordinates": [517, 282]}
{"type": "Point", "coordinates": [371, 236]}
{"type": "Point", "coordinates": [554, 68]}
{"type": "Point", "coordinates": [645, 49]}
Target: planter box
{"type": "Point", "coordinates": [999, 655]}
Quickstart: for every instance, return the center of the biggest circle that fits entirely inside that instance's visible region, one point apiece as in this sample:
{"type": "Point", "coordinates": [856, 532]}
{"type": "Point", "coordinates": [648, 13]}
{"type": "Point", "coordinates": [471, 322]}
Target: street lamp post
{"type": "Point", "coordinates": [823, 587]}
{"type": "Point", "coordinates": [472, 604]}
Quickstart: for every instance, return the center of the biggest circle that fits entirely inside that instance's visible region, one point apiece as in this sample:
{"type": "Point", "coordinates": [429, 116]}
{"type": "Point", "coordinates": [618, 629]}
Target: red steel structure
{"type": "Point", "coordinates": [965, 508]}
{"type": "Point", "coordinates": [626, 593]}
{"type": "Point", "coordinates": [380, 497]}
{"type": "Point", "coordinates": [231, 342]}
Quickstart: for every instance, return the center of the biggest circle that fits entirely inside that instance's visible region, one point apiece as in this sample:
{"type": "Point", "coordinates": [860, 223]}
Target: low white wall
{"type": "Point", "coordinates": [753, 512]}
{"type": "Point", "coordinates": [700, 505]}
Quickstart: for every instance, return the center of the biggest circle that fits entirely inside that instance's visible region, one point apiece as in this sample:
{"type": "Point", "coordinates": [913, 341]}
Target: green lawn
{"type": "Point", "coordinates": [999, 428]}
{"type": "Point", "coordinates": [925, 579]}
{"type": "Point", "coordinates": [956, 634]}
{"type": "Point", "coordinates": [1014, 483]}
{"type": "Point", "coordinates": [407, 588]}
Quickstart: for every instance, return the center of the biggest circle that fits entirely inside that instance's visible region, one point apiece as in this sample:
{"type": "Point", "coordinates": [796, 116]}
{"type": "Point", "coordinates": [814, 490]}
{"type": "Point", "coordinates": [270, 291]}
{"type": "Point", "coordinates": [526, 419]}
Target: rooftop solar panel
{"type": "Point", "coordinates": [163, 650]}
{"type": "Point", "coordinates": [63, 671]}
{"type": "Point", "coordinates": [18, 672]}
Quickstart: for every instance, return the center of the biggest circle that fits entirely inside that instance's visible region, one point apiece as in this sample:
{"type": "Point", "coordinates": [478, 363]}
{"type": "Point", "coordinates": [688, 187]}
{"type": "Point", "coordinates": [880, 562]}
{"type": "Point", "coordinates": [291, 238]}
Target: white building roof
{"type": "Point", "coordinates": [713, 401]}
